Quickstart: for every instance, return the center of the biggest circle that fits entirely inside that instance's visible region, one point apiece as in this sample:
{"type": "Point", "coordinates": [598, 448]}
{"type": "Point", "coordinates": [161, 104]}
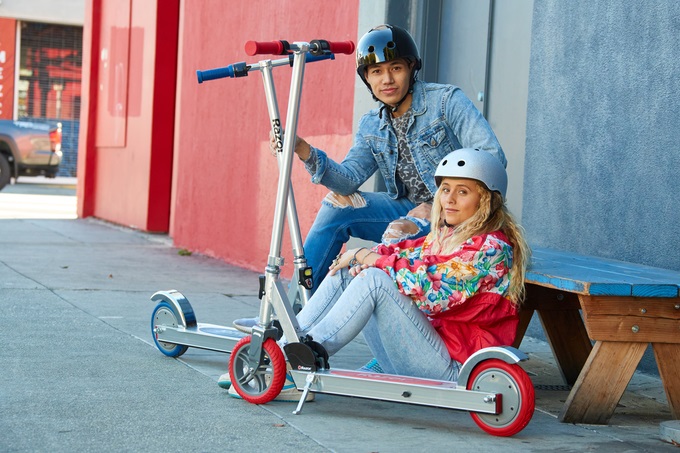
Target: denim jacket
{"type": "Point", "coordinates": [443, 120]}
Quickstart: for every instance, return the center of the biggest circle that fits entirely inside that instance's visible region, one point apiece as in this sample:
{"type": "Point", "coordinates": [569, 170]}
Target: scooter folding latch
{"type": "Point", "coordinates": [305, 277]}
{"type": "Point", "coordinates": [261, 292]}
{"type": "Point", "coordinates": [309, 380]}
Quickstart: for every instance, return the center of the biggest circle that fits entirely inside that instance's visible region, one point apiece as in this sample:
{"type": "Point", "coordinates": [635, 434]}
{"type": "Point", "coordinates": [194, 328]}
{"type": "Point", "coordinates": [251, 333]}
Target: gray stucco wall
{"type": "Point", "coordinates": [603, 129]}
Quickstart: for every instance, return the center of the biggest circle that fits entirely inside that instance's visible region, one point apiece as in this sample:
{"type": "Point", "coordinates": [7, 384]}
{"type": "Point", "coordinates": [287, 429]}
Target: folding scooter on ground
{"type": "Point", "coordinates": [491, 385]}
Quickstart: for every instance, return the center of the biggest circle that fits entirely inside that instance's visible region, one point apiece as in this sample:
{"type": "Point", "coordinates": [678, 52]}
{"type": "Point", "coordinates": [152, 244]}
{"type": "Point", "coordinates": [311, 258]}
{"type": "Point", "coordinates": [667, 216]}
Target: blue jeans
{"type": "Point", "coordinates": [398, 334]}
{"type": "Point", "coordinates": [333, 227]}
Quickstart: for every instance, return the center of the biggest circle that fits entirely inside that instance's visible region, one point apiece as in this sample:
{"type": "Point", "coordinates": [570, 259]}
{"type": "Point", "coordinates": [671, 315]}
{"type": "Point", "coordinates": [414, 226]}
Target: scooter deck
{"type": "Point", "coordinates": [396, 388]}
{"type": "Point", "coordinates": [203, 336]}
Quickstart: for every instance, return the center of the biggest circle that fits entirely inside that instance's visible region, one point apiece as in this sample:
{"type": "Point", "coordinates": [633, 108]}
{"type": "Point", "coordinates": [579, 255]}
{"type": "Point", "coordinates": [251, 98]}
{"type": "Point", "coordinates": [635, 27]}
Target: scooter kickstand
{"type": "Point", "coordinates": [308, 383]}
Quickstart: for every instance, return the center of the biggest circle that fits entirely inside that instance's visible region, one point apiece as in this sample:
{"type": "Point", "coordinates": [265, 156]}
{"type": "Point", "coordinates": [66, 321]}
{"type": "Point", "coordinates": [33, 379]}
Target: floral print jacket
{"type": "Point", "coordinates": [436, 283]}
{"type": "Point", "coordinates": [463, 293]}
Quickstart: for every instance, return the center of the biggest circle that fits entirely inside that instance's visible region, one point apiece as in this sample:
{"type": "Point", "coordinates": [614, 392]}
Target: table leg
{"type": "Point", "coordinates": [602, 381]}
{"type": "Point", "coordinates": [524, 319]}
{"type": "Point", "coordinates": [667, 359]}
{"type": "Point", "coordinates": [568, 340]}
{"type": "Point", "coordinates": [561, 319]}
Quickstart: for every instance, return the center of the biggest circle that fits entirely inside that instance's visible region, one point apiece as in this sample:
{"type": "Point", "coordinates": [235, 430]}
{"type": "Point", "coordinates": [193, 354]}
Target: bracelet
{"type": "Point", "coordinates": [353, 262]}
{"type": "Point", "coordinates": [366, 255]}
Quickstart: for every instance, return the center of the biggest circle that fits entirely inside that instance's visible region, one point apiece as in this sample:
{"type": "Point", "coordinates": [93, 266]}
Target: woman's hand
{"type": "Point", "coordinates": [340, 261]}
{"type": "Point", "coordinates": [354, 259]}
{"type": "Point", "coordinates": [356, 270]}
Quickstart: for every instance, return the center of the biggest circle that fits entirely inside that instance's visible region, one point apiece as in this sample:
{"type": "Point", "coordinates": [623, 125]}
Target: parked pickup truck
{"type": "Point", "coordinates": [28, 149]}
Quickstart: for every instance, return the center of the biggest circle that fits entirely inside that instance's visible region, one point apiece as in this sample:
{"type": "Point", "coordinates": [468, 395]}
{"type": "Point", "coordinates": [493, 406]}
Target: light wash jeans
{"type": "Point", "coordinates": [333, 227]}
{"type": "Point", "coordinates": [399, 335]}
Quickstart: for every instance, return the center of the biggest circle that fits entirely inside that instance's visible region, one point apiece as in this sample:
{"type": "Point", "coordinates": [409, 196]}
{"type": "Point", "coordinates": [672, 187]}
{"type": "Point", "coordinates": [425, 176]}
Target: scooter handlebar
{"type": "Point", "coordinates": [283, 47]}
{"type": "Point", "coordinates": [241, 69]}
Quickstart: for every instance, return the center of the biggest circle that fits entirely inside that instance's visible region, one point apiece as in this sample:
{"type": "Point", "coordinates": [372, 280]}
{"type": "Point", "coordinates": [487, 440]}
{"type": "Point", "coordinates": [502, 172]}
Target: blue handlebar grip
{"type": "Point", "coordinates": [218, 73]}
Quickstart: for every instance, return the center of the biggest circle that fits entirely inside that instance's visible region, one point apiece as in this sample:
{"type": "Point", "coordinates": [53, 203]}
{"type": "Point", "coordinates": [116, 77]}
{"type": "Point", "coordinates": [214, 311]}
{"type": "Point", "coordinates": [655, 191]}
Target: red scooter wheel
{"type": "Point", "coordinates": [518, 397]}
{"type": "Point", "coordinates": [261, 385]}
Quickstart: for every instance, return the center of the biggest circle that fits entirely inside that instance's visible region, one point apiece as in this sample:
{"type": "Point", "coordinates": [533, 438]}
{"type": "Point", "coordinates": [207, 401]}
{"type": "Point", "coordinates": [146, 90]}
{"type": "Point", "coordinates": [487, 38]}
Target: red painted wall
{"type": "Point", "coordinates": [8, 33]}
{"type": "Point", "coordinates": [159, 152]}
{"type": "Point", "coordinates": [128, 105]}
{"type": "Point", "coordinates": [225, 179]}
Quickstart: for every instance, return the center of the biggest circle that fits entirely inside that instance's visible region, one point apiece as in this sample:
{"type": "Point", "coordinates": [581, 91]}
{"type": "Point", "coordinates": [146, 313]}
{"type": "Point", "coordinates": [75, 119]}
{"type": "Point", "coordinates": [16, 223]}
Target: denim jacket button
{"type": "Point", "coordinates": [433, 142]}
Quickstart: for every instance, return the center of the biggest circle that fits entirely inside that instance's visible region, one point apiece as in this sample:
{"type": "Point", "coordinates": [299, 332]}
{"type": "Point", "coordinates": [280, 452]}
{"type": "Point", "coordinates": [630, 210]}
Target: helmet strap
{"type": "Point", "coordinates": [395, 107]}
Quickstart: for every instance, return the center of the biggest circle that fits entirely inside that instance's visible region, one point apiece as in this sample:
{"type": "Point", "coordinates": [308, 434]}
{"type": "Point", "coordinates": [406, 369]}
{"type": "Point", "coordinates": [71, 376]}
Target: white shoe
{"type": "Point", "coordinates": [224, 381]}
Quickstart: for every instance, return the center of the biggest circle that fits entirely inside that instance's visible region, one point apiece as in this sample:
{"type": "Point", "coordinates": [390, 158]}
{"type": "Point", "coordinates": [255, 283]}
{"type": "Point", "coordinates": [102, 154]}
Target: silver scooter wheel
{"type": "Point", "coordinates": [163, 315]}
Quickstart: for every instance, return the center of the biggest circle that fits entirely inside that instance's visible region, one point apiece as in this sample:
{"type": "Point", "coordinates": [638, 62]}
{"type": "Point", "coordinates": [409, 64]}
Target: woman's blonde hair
{"type": "Point", "coordinates": [492, 215]}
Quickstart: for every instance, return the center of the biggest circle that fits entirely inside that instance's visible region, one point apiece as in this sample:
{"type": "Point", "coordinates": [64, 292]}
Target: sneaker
{"type": "Point", "coordinates": [245, 325]}
{"type": "Point", "coordinates": [224, 381]}
{"type": "Point", "coordinates": [372, 367]}
{"type": "Point", "coordinates": [289, 393]}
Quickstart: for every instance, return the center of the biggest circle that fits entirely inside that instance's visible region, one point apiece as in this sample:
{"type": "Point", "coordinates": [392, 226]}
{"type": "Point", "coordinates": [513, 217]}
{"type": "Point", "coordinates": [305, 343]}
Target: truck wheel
{"type": "Point", "coordinates": [5, 171]}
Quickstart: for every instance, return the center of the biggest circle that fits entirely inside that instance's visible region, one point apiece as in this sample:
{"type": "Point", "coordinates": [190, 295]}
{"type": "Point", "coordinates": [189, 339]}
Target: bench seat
{"type": "Point", "coordinates": [600, 276]}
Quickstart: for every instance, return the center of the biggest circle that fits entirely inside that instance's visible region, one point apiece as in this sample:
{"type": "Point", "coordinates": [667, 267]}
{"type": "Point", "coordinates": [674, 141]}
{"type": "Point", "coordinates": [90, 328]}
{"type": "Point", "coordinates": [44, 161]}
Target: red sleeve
{"type": "Point", "coordinates": [393, 253]}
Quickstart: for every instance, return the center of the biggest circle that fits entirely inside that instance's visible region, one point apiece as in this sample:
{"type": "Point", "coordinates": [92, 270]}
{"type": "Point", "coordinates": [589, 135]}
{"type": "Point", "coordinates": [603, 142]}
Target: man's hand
{"type": "Point", "coordinates": [422, 211]}
{"type": "Point", "coordinates": [301, 146]}
{"type": "Point", "coordinates": [401, 229]}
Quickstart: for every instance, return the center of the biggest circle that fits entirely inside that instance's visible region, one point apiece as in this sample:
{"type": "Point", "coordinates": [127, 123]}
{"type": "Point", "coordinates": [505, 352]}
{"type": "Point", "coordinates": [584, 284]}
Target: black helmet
{"type": "Point", "coordinates": [386, 43]}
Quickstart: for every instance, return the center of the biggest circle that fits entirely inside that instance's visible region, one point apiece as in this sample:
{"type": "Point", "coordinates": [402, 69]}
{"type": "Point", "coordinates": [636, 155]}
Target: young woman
{"type": "Point", "coordinates": [426, 305]}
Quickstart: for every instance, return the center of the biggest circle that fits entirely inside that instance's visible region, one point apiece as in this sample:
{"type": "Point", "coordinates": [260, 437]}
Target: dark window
{"type": "Point", "coordinates": [50, 71]}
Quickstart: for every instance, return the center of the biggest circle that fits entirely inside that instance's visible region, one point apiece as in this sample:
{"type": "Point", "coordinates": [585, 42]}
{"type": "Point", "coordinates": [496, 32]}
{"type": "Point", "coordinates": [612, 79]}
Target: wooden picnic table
{"type": "Point", "coordinates": [599, 315]}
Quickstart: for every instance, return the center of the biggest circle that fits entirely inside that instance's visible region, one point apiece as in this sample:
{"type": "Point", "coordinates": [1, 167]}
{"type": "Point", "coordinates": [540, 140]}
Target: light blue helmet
{"type": "Point", "coordinates": [474, 164]}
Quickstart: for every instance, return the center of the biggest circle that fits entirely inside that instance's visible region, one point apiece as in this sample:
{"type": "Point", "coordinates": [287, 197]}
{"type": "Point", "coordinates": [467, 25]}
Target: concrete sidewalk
{"type": "Point", "coordinates": [59, 181]}
{"type": "Point", "coordinates": [79, 370]}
